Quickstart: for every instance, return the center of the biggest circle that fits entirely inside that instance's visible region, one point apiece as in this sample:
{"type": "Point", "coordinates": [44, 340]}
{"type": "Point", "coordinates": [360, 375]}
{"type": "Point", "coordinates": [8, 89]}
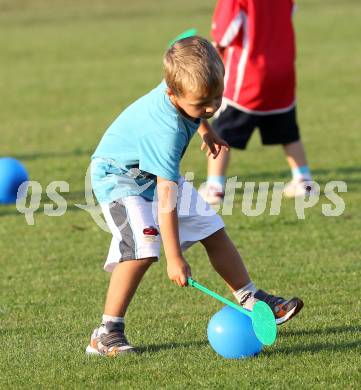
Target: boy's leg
{"type": "Point", "coordinates": [295, 154]}
{"type": "Point", "coordinates": [282, 129]}
{"type": "Point", "coordinates": [228, 263]}
{"type": "Point", "coordinates": [123, 283]}
{"type": "Point", "coordinates": [233, 271]}
{"type": "Point", "coordinates": [134, 247]}
{"type": "Point", "coordinates": [109, 339]}
{"type": "Point", "coordinates": [301, 175]}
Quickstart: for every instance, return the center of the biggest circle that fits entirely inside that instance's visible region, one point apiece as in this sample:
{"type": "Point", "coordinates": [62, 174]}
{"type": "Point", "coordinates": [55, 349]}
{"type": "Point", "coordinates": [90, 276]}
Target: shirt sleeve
{"type": "Point", "coordinates": [161, 156]}
{"type": "Point", "coordinates": [227, 21]}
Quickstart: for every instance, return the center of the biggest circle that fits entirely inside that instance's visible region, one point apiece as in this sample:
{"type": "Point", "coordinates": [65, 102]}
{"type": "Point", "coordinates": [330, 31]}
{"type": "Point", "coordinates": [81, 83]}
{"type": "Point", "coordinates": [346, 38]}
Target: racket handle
{"type": "Point", "coordinates": [226, 301]}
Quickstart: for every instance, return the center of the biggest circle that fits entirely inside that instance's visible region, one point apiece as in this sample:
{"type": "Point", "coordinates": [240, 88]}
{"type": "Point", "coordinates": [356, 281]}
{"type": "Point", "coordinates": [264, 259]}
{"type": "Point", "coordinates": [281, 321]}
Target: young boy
{"type": "Point", "coordinates": [256, 41]}
{"type": "Point", "coordinates": [142, 149]}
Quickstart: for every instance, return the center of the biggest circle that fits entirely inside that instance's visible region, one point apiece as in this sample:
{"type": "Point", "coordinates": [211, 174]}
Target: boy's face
{"type": "Point", "coordinates": [194, 106]}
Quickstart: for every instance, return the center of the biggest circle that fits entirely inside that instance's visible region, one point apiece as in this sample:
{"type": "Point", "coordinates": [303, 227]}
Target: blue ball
{"type": "Point", "coordinates": [231, 334]}
{"type": "Point", "coordinates": [12, 175]}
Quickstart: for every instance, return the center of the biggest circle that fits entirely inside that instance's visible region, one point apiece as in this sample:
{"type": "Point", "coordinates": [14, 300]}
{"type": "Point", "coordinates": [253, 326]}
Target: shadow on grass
{"type": "Point", "coordinates": [289, 350]}
{"type": "Point", "coordinates": [314, 348]}
{"type": "Point", "coordinates": [334, 330]}
{"type": "Point", "coordinates": [319, 347]}
{"type": "Point", "coordinates": [161, 347]}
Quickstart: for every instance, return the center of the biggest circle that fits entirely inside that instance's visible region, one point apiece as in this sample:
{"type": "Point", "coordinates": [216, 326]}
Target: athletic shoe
{"type": "Point", "coordinates": [112, 342]}
{"type": "Point", "coordinates": [299, 187]}
{"type": "Point", "coordinates": [212, 194]}
{"type": "Point", "coordinates": [283, 309]}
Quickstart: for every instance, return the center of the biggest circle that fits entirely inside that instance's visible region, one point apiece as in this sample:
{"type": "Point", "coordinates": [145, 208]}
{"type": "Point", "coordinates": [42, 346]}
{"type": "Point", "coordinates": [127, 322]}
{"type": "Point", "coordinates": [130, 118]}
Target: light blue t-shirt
{"type": "Point", "coordinates": [148, 139]}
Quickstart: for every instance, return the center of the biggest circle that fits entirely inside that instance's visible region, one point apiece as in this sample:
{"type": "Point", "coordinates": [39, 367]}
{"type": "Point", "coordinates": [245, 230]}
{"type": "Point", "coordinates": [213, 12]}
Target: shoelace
{"type": "Point", "coordinates": [271, 300]}
{"type": "Point", "coordinates": [115, 338]}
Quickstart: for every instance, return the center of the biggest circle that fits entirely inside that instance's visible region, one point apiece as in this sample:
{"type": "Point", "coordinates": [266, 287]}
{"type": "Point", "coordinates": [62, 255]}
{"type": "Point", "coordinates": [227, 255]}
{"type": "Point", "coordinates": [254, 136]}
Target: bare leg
{"type": "Point", "coordinates": [123, 284]}
{"type": "Point", "coordinates": [295, 154]}
{"type": "Point", "coordinates": [226, 260]}
{"type": "Point", "coordinates": [217, 166]}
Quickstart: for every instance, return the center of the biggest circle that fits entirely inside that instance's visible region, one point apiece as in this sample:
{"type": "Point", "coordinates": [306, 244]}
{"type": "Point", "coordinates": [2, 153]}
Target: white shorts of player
{"type": "Point", "coordinates": [133, 223]}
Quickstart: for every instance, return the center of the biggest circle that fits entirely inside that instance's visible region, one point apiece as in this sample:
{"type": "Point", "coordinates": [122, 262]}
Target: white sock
{"type": "Point", "coordinates": [106, 318]}
{"type": "Point", "coordinates": [245, 296]}
{"type": "Point", "coordinates": [301, 173]}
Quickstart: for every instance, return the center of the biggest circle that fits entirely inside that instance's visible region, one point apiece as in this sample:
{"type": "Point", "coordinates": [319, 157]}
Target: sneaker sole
{"type": "Point", "coordinates": [92, 351]}
{"type": "Point", "coordinates": [291, 313]}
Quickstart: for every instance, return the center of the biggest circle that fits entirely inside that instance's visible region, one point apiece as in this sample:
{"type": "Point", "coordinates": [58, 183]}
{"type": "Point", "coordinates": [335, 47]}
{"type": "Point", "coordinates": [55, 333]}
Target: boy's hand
{"type": "Point", "coordinates": [179, 271]}
{"type": "Point", "coordinates": [213, 144]}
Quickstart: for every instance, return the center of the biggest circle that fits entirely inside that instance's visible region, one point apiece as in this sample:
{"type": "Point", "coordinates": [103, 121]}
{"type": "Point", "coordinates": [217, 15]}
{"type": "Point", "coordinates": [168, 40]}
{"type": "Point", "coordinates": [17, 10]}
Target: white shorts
{"type": "Point", "coordinates": [134, 224]}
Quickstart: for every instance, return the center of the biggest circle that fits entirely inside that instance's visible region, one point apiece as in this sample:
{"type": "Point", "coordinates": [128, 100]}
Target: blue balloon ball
{"type": "Point", "coordinates": [12, 175]}
{"type": "Point", "coordinates": [231, 334]}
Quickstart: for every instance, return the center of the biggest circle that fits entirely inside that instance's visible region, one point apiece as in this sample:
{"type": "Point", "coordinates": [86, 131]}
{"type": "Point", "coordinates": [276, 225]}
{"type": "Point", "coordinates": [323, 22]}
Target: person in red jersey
{"type": "Point", "coordinates": [256, 41]}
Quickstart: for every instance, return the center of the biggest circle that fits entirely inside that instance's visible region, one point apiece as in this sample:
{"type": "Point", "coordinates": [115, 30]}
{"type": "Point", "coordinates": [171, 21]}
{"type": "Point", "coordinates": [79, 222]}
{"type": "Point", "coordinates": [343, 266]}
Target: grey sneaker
{"type": "Point", "coordinates": [112, 342]}
{"type": "Point", "coordinates": [283, 309]}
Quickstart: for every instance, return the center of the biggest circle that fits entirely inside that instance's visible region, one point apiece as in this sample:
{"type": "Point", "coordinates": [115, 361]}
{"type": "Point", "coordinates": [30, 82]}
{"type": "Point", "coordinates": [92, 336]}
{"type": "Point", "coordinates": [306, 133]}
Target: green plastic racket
{"type": "Point", "coordinates": [263, 320]}
{"type": "Point", "coordinates": [185, 34]}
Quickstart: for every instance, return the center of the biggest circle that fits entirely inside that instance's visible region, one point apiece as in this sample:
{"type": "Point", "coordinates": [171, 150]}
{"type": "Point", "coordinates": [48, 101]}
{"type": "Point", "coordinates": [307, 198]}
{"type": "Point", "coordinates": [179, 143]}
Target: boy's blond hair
{"type": "Point", "coordinates": [193, 65]}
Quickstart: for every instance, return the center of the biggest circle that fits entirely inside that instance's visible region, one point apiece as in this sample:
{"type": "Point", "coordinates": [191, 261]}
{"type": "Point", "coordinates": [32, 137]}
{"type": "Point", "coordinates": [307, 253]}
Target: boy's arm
{"type": "Point", "coordinates": [210, 140]}
{"type": "Point", "coordinates": [177, 267]}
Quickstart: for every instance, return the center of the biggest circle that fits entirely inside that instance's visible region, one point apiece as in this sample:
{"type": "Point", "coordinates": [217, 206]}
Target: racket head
{"type": "Point", "coordinates": [264, 323]}
{"type": "Point", "coordinates": [185, 34]}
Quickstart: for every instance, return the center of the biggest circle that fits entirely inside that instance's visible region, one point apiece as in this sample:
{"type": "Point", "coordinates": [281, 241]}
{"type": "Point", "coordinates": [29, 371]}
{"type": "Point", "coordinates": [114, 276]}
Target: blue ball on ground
{"type": "Point", "coordinates": [231, 334]}
{"type": "Point", "coordinates": [12, 175]}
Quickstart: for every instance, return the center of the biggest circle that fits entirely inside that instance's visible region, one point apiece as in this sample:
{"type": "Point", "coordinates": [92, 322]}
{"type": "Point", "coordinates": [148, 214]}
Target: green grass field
{"type": "Point", "coordinates": [67, 69]}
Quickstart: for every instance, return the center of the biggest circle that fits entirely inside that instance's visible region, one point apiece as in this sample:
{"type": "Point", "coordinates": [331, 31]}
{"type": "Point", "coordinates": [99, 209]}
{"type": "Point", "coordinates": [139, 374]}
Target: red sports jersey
{"type": "Point", "coordinates": [259, 53]}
